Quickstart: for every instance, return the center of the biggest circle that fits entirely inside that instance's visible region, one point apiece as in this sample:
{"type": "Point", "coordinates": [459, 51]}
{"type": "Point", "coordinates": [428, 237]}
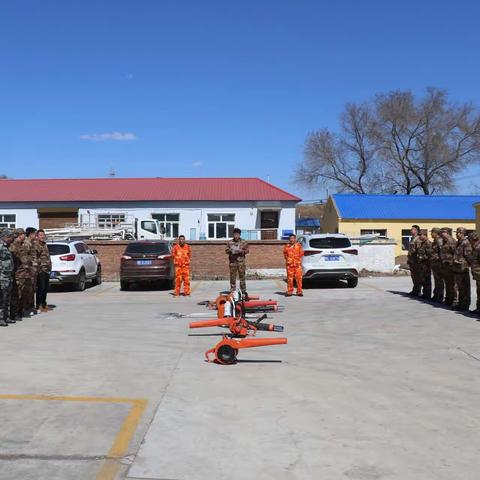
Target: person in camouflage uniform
{"type": "Point", "coordinates": [30, 243]}
{"type": "Point", "coordinates": [6, 277]}
{"type": "Point", "coordinates": [23, 276]}
{"type": "Point", "coordinates": [43, 271]}
{"type": "Point", "coordinates": [463, 251]}
{"type": "Point", "coordinates": [447, 251]}
{"type": "Point", "coordinates": [423, 254]}
{"type": "Point", "coordinates": [436, 266]}
{"type": "Point", "coordinates": [474, 262]}
{"type": "Point", "coordinates": [236, 251]}
{"type": "Point", "coordinates": [413, 262]}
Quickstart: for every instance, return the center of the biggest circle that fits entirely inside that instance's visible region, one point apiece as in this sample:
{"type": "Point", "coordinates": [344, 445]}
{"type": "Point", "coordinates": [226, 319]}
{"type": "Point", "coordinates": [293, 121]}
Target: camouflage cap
{"type": "Point", "coordinates": [18, 231]}
{"type": "Point", "coordinates": [461, 230]}
{"type": "Point", "coordinates": [435, 230]}
{"type": "Point", "coordinates": [446, 229]}
{"type": "Point", "coordinates": [423, 231]}
{"type": "Point", "coordinates": [6, 233]}
{"type": "Point", "coordinates": [473, 236]}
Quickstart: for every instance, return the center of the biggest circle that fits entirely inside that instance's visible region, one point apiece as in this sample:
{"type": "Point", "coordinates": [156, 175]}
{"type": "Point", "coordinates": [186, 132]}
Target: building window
{"type": "Point", "coordinates": [8, 221]}
{"type": "Point", "coordinates": [381, 232]}
{"type": "Point", "coordinates": [169, 223]}
{"type": "Point", "coordinates": [406, 236]}
{"type": "Point", "coordinates": [110, 220]}
{"type": "Point", "coordinates": [220, 225]}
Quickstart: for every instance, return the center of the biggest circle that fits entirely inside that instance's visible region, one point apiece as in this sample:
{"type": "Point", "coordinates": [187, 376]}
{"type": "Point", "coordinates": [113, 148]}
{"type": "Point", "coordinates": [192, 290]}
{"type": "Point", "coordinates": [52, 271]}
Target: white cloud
{"type": "Point", "coordinates": [197, 164]}
{"type": "Point", "coordinates": [104, 137]}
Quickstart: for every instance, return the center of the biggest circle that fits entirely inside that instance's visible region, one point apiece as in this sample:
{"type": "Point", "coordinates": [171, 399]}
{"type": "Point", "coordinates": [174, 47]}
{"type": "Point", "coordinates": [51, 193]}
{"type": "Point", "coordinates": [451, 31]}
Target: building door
{"type": "Point", "coordinates": [57, 218]}
{"type": "Point", "coordinates": [269, 224]}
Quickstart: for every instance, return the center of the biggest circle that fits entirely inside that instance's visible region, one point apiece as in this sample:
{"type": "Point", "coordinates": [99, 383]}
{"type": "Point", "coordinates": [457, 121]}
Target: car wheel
{"type": "Point", "coordinates": [97, 279]}
{"type": "Point", "coordinates": [81, 282]}
{"type": "Point", "coordinates": [124, 285]}
{"type": "Point", "coordinates": [352, 282]}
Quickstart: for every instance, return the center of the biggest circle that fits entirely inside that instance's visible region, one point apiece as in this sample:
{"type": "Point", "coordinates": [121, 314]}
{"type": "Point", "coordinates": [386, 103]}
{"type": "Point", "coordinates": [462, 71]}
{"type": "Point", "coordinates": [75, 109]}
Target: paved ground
{"type": "Point", "coordinates": [372, 385]}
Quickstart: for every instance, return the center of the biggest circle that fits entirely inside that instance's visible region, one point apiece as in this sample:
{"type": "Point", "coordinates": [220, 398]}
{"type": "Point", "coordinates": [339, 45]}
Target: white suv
{"type": "Point", "coordinates": [330, 256]}
{"type": "Point", "coordinates": [73, 262]}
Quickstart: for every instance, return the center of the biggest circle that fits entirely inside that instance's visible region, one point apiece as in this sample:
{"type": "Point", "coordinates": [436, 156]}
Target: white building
{"type": "Point", "coordinates": [199, 208]}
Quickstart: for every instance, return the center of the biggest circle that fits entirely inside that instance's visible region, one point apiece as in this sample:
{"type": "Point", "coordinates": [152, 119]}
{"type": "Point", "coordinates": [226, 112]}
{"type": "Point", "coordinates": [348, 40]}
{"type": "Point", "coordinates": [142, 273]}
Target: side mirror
{"type": "Point", "coordinates": [93, 252]}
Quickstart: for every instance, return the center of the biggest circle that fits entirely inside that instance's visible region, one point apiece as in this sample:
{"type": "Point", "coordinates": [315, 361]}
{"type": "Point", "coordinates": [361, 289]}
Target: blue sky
{"type": "Point", "coordinates": [212, 88]}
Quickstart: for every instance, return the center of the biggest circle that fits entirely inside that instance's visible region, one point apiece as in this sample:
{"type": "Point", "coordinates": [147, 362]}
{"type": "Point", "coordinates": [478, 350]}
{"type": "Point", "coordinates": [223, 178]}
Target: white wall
{"type": "Point", "coordinates": [377, 257]}
{"type": "Point", "coordinates": [25, 217]}
{"type": "Point", "coordinates": [192, 214]}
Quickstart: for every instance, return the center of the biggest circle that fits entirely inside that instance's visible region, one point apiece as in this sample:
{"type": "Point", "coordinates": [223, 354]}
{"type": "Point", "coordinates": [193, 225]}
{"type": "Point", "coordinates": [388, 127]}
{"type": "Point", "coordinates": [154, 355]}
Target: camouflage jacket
{"type": "Point", "coordinates": [474, 261]}
{"type": "Point", "coordinates": [237, 250]}
{"type": "Point", "coordinates": [29, 245]}
{"type": "Point", "coordinates": [436, 248]}
{"type": "Point", "coordinates": [415, 243]}
{"type": "Point", "coordinates": [463, 251]}
{"type": "Point", "coordinates": [44, 263]}
{"type": "Point", "coordinates": [6, 263]}
{"type": "Point", "coordinates": [22, 259]}
{"type": "Point", "coordinates": [447, 250]}
{"type": "Point", "coordinates": [424, 251]}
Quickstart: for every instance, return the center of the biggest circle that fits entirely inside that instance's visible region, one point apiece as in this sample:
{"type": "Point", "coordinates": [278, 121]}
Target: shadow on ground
{"type": "Point", "coordinates": [434, 304]}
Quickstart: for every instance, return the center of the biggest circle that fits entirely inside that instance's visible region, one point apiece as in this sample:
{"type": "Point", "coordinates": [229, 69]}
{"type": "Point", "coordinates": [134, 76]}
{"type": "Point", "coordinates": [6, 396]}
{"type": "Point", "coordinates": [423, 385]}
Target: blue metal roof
{"type": "Point", "coordinates": [415, 207]}
{"type": "Point", "coordinates": [308, 222]}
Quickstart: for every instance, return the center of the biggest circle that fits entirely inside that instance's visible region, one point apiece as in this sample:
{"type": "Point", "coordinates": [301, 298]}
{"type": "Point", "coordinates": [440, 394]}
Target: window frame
{"type": "Point", "coordinates": [6, 223]}
{"type": "Point", "coordinates": [169, 228]}
{"type": "Point", "coordinates": [229, 225]}
{"type": "Point", "coordinates": [110, 220]}
{"type": "Point", "coordinates": [408, 237]}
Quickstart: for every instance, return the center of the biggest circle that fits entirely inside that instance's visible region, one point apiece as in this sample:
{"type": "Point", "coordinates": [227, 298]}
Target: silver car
{"type": "Point", "coordinates": [330, 256]}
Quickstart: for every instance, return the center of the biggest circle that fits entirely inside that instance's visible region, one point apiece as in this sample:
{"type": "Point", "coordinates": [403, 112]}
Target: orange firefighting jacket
{"type": "Point", "coordinates": [181, 255]}
{"type": "Point", "coordinates": [293, 254]}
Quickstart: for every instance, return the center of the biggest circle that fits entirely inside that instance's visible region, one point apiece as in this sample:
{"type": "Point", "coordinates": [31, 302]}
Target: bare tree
{"type": "Point", "coordinates": [395, 144]}
{"type": "Point", "coordinates": [347, 159]}
{"type": "Point", "coordinates": [426, 143]}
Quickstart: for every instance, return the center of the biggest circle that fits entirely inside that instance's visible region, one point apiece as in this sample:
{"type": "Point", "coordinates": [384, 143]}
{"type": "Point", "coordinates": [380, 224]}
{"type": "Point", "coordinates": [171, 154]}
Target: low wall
{"type": "Point", "coordinates": [377, 256]}
{"type": "Point", "coordinates": [209, 260]}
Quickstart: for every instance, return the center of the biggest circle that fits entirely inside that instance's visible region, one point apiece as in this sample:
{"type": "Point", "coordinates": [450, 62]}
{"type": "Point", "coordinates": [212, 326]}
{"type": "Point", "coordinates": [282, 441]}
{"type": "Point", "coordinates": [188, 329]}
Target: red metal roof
{"type": "Point", "coordinates": [140, 189]}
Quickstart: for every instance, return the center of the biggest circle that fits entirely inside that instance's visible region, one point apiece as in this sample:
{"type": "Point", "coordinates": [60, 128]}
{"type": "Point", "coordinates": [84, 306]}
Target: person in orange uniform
{"type": "Point", "coordinates": [293, 253]}
{"type": "Point", "coordinates": [182, 253]}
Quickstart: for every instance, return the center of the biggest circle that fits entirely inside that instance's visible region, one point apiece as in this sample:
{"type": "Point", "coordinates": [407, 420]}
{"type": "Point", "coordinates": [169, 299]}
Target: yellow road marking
{"type": "Point", "coordinates": [119, 447]}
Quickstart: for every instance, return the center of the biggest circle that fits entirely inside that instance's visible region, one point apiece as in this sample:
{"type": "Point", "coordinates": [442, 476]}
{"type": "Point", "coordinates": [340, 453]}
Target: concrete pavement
{"type": "Point", "coordinates": [371, 385]}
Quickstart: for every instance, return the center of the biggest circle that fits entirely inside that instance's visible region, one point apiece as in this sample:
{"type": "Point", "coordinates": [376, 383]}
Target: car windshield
{"type": "Point", "coordinates": [330, 242]}
{"type": "Point", "coordinates": [147, 248]}
{"type": "Point", "coordinates": [58, 249]}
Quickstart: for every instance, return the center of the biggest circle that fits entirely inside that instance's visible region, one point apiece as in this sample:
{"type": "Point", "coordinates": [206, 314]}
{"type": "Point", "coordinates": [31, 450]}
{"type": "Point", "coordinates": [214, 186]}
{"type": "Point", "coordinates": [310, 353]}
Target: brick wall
{"type": "Point", "coordinates": [209, 260]}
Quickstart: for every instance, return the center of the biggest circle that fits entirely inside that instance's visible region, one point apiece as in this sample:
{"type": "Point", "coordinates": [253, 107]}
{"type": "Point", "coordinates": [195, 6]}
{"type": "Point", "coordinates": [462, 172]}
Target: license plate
{"type": "Point", "coordinates": [332, 258]}
{"type": "Point", "coordinates": [144, 262]}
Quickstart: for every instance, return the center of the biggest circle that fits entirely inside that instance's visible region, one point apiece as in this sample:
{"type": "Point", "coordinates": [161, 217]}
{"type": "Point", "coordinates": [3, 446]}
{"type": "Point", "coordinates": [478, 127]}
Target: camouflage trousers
{"type": "Point", "coordinates": [425, 278]}
{"type": "Point", "coordinates": [6, 286]}
{"type": "Point", "coordinates": [21, 295]}
{"type": "Point", "coordinates": [449, 279]}
{"type": "Point", "coordinates": [421, 278]}
{"type": "Point", "coordinates": [439, 287]}
{"type": "Point", "coordinates": [462, 281]}
{"type": "Point", "coordinates": [238, 268]}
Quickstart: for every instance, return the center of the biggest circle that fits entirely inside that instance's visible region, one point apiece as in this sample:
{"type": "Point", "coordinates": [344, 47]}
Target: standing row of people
{"type": "Point", "coordinates": [25, 267]}
{"type": "Point", "coordinates": [450, 261]}
{"type": "Point", "coordinates": [236, 250]}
